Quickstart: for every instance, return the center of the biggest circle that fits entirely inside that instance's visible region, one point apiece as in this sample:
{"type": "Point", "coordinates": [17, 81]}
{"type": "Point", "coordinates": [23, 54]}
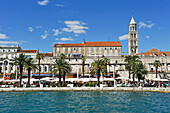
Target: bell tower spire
{"type": "Point", "coordinates": [133, 37]}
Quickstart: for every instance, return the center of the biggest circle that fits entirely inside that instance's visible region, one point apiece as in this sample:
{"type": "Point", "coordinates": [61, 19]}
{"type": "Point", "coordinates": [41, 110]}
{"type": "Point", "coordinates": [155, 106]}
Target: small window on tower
{"type": "Point", "coordinates": [134, 35]}
{"type": "Point", "coordinates": [131, 36]}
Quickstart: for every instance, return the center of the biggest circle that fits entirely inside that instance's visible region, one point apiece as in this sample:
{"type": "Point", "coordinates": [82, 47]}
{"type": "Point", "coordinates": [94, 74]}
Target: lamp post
{"type": "Point", "coordinates": [16, 71]}
{"type": "Point", "coordinates": [5, 64]}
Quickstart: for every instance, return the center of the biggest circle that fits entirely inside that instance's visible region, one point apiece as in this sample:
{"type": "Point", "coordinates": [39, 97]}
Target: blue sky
{"type": "Point", "coordinates": [39, 24]}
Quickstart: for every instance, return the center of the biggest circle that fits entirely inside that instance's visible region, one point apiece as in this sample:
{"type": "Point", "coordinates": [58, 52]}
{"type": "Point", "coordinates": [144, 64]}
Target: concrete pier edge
{"type": "Point", "coordinates": [55, 89]}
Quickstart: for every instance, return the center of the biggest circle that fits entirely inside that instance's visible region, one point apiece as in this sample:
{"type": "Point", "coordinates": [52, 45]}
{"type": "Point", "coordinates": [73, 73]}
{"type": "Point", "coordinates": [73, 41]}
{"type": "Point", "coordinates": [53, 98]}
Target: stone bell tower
{"type": "Point", "coordinates": [133, 38]}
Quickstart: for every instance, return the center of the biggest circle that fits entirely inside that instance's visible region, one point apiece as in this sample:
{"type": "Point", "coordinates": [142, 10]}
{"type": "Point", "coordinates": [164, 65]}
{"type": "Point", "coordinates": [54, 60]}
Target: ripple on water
{"type": "Point", "coordinates": [84, 102]}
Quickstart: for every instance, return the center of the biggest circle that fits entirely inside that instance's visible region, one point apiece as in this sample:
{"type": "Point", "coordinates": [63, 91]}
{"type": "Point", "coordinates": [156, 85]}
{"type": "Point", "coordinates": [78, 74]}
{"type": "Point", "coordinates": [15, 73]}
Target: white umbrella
{"type": "Point", "coordinates": [135, 80]}
{"type": "Point", "coordinates": [46, 78]}
{"type": "Point", "coordinates": [11, 80]}
{"type": "Point", "coordinates": [108, 79]}
{"type": "Point", "coordinates": [164, 80]}
{"type": "Point", "coordinates": [156, 79]}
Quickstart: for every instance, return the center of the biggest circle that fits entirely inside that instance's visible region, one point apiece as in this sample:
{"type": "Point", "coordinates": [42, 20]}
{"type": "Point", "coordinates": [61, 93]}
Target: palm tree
{"type": "Point", "coordinates": [39, 57]}
{"type": "Point", "coordinates": [62, 56]}
{"type": "Point", "coordinates": [131, 61]}
{"type": "Point", "coordinates": [20, 61]}
{"type": "Point", "coordinates": [139, 70]}
{"type": "Point", "coordinates": [128, 65]}
{"type": "Point", "coordinates": [29, 65]}
{"type": "Point", "coordinates": [157, 64]}
{"type": "Point", "coordinates": [97, 68]}
{"type": "Point", "coordinates": [106, 62]}
{"type": "Point", "coordinates": [62, 67]}
{"type": "Point", "coordinates": [83, 63]}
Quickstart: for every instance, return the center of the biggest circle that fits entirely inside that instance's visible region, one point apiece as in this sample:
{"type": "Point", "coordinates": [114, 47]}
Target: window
{"type": "Point", "coordinates": [155, 54]}
{"type": "Point", "coordinates": [131, 43]}
{"type": "Point", "coordinates": [45, 68]}
{"type": "Point", "coordinates": [9, 50]}
{"type": "Point", "coordinates": [57, 49]}
{"type": "Point", "coordinates": [69, 60]}
{"type": "Point", "coordinates": [79, 49]}
{"type": "Point", "coordinates": [3, 50]}
{"type": "Point", "coordinates": [69, 49]}
{"type": "Point", "coordinates": [105, 48]}
{"type": "Point", "coordinates": [115, 48]}
{"type": "Point", "coordinates": [116, 61]}
{"type": "Point", "coordinates": [131, 36]}
{"type": "Point", "coordinates": [76, 59]}
{"type": "Point", "coordinates": [58, 55]}
{"type": "Point", "coordinates": [164, 54]}
{"type": "Point", "coordinates": [134, 35]}
{"type": "Point", "coordinates": [68, 55]}
{"type": "Point", "coordinates": [64, 49]}
{"type": "Point", "coordinates": [74, 49]}
{"type": "Point", "coordinates": [11, 67]}
{"type": "Point", "coordinates": [110, 48]}
{"type": "Point", "coordinates": [151, 69]}
{"type": "Point", "coordinates": [89, 49]}
{"type": "Point", "coordinates": [94, 48]}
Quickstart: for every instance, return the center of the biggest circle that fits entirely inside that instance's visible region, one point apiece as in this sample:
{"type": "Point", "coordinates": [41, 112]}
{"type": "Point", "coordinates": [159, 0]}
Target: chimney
{"type": "Point", "coordinates": [83, 42]}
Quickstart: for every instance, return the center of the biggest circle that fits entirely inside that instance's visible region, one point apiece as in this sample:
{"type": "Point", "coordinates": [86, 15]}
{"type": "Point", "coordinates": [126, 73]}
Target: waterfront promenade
{"type": "Point", "coordinates": [53, 89]}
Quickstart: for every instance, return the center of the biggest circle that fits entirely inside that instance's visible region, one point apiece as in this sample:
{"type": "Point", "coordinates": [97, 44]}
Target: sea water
{"type": "Point", "coordinates": [87, 101]}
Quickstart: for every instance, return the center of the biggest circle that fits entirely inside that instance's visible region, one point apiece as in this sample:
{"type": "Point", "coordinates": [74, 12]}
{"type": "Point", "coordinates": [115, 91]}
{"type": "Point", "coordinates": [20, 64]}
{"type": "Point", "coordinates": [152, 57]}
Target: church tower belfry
{"type": "Point", "coordinates": [133, 38]}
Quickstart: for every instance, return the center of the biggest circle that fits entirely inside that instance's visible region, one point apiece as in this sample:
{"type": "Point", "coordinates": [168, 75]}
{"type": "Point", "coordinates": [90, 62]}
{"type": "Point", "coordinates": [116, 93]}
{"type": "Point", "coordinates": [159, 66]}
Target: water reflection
{"type": "Point", "coordinates": [84, 102]}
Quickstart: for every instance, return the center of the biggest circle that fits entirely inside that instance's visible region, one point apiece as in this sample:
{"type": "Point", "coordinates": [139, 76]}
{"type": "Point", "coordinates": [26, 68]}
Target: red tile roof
{"type": "Point", "coordinates": [90, 44]}
{"type": "Point", "coordinates": [153, 52]}
{"type": "Point", "coordinates": [48, 54]}
{"type": "Point", "coordinates": [28, 51]}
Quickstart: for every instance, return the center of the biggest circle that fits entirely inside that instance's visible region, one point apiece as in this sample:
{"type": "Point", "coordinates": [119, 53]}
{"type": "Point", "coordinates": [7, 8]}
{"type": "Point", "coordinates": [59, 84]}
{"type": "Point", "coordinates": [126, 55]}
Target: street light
{"type": "Point", "coordinates": [5, 64]}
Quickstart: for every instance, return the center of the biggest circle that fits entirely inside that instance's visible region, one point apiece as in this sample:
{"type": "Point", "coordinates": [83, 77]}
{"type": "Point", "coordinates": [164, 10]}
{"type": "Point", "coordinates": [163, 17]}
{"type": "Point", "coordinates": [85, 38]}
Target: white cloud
{"type": "Point", "coordinates": [3, 45]}
{"type": "Point", "coordinates": [56, 32]}
{"type": "Point", "coordinates": [39, 27]}
{"type": "Point", "coordinates": [66, 29]}
{"type": "Point", "coordinates": [22, 41]}
{"type": "Point", "coordinates": [3, 36]}
{"type": "Point", "coordinates": [56, 39]}
{"type": "Point", "coordinates": [148, 24]}
{"type": "Point", "coordinates": [9, 42]}
{"type": "Point", "coordinates": [66, 39]}
{"type": "Point", "coordinates": [30, 29]}
{"type": "Point", "coordinates": [76, 27]}
{"type": "Point", "coordinates": [45, 35]}
{"type": "Point", "coordinates": [43, 2]}
{"type": "Point", "coordinates": [123, 37]}
{"type": "Point", "coordinates": [147, 36]}
{"type": "Point", "coordinates": [59, 5]}
{"type": "Point", "coordinates": [59, 42]}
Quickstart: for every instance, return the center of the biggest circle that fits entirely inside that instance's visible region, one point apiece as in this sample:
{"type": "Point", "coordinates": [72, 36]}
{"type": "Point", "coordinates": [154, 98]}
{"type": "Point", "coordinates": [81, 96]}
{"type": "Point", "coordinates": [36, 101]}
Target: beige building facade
{"type": "Point", "coordinates": [90, 49]}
